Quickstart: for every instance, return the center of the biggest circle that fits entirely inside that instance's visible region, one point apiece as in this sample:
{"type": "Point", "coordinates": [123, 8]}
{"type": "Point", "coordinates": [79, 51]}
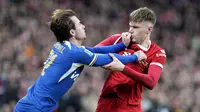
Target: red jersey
{"type": "Point", "coordinates": [125, 87]}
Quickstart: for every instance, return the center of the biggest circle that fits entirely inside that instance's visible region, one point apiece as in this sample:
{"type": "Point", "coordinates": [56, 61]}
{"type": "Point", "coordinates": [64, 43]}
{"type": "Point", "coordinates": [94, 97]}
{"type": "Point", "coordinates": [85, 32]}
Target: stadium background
{"type": "Point", "coordinates": [25, 41]}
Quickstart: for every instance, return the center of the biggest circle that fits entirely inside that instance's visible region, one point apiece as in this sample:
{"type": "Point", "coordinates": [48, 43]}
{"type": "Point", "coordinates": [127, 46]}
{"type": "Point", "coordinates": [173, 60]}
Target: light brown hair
{"type": "Point", "coordinates": [61, 24]}
{"type": "Point", "coordinates": [143, 14]}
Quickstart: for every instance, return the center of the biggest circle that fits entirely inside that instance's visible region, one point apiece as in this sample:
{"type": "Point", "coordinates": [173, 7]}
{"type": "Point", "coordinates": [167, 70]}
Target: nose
{"type": "Point", "coordinates": [83, 26]}
{"type": "Point", "coordinates": [131, 30]}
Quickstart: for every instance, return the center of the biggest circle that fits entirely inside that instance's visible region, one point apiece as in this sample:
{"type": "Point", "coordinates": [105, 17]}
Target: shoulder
{"type": "Point", "coordinates": [110, 40]}
{"type": "Point", "coordinates": [115, 38]}
{"type": "Point", "coordinates": [66, 48]}
{"type": "Point", "coordinates": [159, 55]}
{"type": "Point", "coordinates": [157, 48]}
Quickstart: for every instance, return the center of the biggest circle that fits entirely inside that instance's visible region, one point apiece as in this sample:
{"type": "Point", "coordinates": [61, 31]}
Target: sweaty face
{"type": "Point", "coordinates": [79, 29]}
{"type": "Point", "coordinates": [139, 31]}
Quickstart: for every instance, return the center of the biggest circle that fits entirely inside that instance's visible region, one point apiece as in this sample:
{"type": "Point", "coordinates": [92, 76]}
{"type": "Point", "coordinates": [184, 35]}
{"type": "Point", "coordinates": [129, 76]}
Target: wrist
{"type": "Point", "coordinates": [124, 44]}
{"type": "Point", "coordinates": [135, 58]}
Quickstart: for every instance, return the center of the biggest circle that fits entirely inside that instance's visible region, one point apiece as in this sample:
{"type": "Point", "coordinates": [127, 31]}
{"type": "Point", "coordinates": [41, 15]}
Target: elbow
{"type": "Point", "coordinates": [151, 86]}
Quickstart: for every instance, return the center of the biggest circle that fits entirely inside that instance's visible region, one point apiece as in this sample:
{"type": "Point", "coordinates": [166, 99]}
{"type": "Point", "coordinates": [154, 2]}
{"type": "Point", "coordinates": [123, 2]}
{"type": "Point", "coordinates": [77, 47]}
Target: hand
{"type": "Point", "coordinates": [140, 55]}
{"type": "Point", "coordinates": [126, 38]}
{"type": "Point", "coordinates": [115, 65]}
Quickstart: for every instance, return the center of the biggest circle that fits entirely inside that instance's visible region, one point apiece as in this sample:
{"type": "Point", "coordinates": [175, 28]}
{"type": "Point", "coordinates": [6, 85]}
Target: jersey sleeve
{"type": "Point", "coordinates": [109, 40]}
{"type": "Point", "coordinates": [159, 59]}
{"type": "Point", "coordinates": [107, 49]}
{"type": "Point", "coordinates": [150, 79]}
{"type": "Point", "coordinates": [86, 57]}
{"type": "Point", "coordinates": [104, 59]}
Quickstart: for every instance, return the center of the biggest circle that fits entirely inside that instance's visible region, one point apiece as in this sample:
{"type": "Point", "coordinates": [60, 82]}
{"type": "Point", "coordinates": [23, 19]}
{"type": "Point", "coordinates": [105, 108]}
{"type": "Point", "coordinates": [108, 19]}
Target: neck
{"type": "Point", "coordinates": [76, 42]}
{"type": "Point", "coordinates": [146, 43]}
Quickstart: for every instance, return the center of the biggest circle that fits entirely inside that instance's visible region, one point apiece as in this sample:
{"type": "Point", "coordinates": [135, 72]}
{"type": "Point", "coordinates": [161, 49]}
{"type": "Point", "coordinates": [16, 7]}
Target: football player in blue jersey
{"type": "Point", "coordinates": [66, 61]}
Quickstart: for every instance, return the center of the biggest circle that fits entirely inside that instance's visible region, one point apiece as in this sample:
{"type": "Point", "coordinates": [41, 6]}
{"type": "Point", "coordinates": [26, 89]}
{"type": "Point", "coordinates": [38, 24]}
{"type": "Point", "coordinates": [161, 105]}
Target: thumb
{"type": "Point", "coordinates": [111, 55]}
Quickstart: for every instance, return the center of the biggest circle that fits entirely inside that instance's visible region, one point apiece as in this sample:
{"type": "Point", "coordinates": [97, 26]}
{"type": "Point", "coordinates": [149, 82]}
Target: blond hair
{"type": "Point", "coordinates": [143, 14]}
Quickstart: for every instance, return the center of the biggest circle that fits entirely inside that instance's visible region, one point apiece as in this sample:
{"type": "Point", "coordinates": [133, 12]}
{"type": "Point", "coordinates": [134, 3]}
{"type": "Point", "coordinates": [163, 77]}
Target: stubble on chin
{"type": "Point", "coordinates": [133, 41]}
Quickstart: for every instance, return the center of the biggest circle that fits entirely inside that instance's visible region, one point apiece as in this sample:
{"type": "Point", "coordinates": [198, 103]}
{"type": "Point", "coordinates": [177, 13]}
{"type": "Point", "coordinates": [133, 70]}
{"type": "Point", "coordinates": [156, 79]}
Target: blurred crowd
{"type": "Point", "coordinates": [25, 41]}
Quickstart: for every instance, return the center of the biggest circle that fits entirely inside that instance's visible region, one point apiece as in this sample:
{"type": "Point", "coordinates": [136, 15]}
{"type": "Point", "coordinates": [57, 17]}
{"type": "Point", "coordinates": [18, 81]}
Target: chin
{"type": "Point", "coordinates": [84, 38]}
{"type": "Point", "coordinates": [134, 41]}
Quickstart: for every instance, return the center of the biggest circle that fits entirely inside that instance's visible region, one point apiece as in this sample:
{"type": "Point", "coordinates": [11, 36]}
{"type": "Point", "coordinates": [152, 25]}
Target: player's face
{"type": "Point", "coordinates": [79, 29]}
{"type": "Point", "coordinates": [139, 31]}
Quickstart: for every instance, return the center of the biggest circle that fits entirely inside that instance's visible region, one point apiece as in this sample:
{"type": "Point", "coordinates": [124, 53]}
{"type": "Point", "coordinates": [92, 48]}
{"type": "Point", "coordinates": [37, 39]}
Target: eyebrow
{"type": "Point", "coordinates": [135, 26]}
{"type": "Point", "coordinates": [80, 22]}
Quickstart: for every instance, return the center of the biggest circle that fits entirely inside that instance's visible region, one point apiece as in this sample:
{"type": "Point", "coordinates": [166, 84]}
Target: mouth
{"type": "Point", "coordinates": [133, 39]}
{"type": "Point", "coordinates": [85, 33]}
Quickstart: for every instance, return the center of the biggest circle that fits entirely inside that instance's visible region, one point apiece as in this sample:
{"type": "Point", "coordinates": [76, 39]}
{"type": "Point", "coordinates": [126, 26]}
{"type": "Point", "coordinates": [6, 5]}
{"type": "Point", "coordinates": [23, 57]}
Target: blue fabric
{"type": "Point", "coordinates": [107, 49]}
{"type": "Point", "coordinates": [61, 69]}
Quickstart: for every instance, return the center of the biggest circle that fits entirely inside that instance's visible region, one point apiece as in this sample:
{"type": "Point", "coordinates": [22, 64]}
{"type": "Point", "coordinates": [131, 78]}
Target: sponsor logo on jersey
{"type": "Point", "coordinates": [74, 76]}
{"type": "Point", "coordinates": [161, 54]}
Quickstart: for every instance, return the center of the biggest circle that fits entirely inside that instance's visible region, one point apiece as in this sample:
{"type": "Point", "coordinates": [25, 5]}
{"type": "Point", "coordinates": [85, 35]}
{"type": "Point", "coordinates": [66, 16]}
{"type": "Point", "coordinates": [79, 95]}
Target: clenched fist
{"type": "Point", "coordinates": [126, 38]}
{"type": "Point", "coordinates": [140, 54]}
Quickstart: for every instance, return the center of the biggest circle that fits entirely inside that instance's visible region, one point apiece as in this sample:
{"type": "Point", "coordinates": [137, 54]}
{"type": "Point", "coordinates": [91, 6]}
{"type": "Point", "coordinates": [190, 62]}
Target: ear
{"type": "Point", "coordinates": [150, 29]}
{"type": "Point", "coordinates": [72, 32]}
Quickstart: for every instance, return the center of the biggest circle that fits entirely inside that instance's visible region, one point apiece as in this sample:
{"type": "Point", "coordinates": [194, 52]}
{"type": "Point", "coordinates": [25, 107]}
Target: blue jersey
{"type": "Point", "coordinates": [61, 69]}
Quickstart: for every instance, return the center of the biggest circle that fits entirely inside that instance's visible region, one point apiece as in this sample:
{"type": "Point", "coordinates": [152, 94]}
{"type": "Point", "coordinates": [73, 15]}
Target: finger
{"type": "Point", "coordinates": [124, 34]}
{"type": "Point", "coordinates": [129, 35]}
{"type": "Point", "coordinates": [106, 66]}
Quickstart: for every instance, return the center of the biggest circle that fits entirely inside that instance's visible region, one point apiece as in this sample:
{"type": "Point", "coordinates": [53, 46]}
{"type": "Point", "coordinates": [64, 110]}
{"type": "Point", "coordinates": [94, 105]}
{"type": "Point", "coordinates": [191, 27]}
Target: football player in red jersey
{"type": "Point", "coordinates": [122, 90]}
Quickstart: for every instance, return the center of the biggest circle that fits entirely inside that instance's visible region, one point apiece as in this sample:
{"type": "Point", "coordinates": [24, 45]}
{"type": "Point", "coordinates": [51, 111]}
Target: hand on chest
{"type": "Point", "coordinates": [140, 66]}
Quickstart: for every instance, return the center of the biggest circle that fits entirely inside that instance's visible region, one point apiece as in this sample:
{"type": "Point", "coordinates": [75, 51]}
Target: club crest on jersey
{"type": "Point", "coordinates": [144, 63]}
{"type": "Point", "coordinates": [161, 53]}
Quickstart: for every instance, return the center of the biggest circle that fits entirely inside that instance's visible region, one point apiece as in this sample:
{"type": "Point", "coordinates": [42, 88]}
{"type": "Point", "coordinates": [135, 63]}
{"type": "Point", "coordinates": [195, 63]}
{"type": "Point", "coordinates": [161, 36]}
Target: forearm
{"type": "Point", "coordinates": [148, 80]}
{"type": "Point", "coordinates": [107, 49]}
{"type": "Point", "coordinates": [104, 59]}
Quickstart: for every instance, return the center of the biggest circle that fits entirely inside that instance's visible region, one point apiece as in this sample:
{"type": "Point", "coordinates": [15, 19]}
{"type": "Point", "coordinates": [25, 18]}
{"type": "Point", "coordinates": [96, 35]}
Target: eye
{"type": "Point", "coordinates": [135, 27]}
{"type": "Point", "coordinates": [81, 23]}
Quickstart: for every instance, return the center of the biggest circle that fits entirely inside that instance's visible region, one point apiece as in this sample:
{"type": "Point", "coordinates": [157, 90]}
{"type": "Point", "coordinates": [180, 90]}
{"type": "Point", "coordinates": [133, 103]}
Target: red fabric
{"type": "Point", "coordinates": [128, 87]}
{"type": "Point", "coordinates": [148, 80]}
{"type": "Point", "coordinates": [109, 41]}
{"type": "Point", "coordinates": [116, 105]}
